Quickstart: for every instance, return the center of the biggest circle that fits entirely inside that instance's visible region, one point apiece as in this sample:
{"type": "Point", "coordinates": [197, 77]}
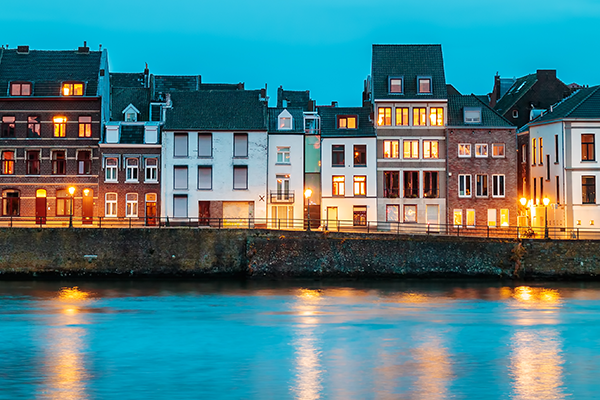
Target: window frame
{"type": "Point", "coordinates": [338, 186]}
{"type": "Point", "coordinates": [31, 163]}
{"type": "Point", "coordinates": [176, 182]}
{"type": "Point", "coordinates": [86, 163]}
{"type": "Point", "coordinates": [336, 151]}
{"type": "Point", "coordinates": [424, 78]}
{"type": "Point", "coordinates": [362, 151]}
{"type": "Point", "coordinates": [589, 193]}
{"type": "Point", "coordinates": [480, 193]}
{"type": "Point", "coordinates": [205, 167]}
{"type": "Point", "coordinates": [205, 154]}
{"type": "Point", "coordinates": [346, 121]}
{"type": "Point", "coordinates": [131, 206]}
{"type": "Point", "coordinates": [8, 128]}
{"type": "Point", "coordinates": [439, 116]}
{"type": "Point", "coordinates": [59, 124]}
{"type": "Point", "coordinates": [71, 86]}
{"type": "Point", "coordinates": [285, 153]}
{"type": "Point", "coordinates": [404, 114]}
{"type": "Point", "coordinates": [132, 171]}
{"type": "Point", "coordinates": [382, 116]}
{"type": "Point", "coordinates": [498, 185]}
{"type": "Point", "coordinates": [8, 164]}
{"type": "Point", "coordinates": [411, 185]}
{"type": "Point", "coordinates": [111, 205]}
{"type": "Point", "coordinates": [34, 127]}
{"type": "Point", "coordinates": [183, 138]}
{"type": "Point", "coordinates": [499, 146]}
{"type": "Point", "coordinates": [465, 146]}
{"type": "Point", "coordinates": [479, 146]}
{"type": "Point", "coordinates": [466, 178]}
{"type": "Point", "coordinates": [412, 146]}
{"type": "Point", "coordinates": [389, 207]}
{"type": "Point", "coordinates": [150, 170]}
{"type": "Point", "coordinates": [431, 189]}
{"type": "Point", "coordinates": [420, 115]}
{"type": "Point", "coordinates": [85, 126]}
{"type": "Point", "coordinates": [431, 144]}
{"type": "Point", "coordinates": [359, 185]}
{"type": "Point", "coordinates": [58, 162]}
{"type": "Point", "coordinates": [390, 86]}
{"type": "Point", "coordinates": [406, 211]}
{"type": "Point", "coordinates": [472, 120]}
{"type": "Point", "coordinates": [20, 84]}
{"type": "Point", "coordinates": [240, 151]}
{"type": "Point", "coordinates": [457, 212]}
{"type": "Point", "coordinates": [588, 145]}
{"type": "Point", "coordinates": [391, 143]}
{"type": "Point", "coordinates": [359, 215]}
{"type": "Point", "coordinates": [240, 168]}
{"type": "Point", "coordinates": [111, 169]}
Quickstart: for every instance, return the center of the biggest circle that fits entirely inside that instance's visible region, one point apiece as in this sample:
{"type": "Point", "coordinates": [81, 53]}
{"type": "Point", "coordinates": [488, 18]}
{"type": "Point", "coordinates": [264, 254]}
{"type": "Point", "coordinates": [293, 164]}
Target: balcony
{"type": "Point", "coordinates": [282, 196]}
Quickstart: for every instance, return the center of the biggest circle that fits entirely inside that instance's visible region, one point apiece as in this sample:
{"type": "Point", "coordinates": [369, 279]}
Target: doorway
{"type": "Point", "coordinates": [204, 213]}
{"type": "Point", "coordinates": [332, 218]}
{"type": "Point", "coordinates": [40, 206]}
{"type": "Point", "coordinates": [87, 207]}
{"type": "Point", "coordinates": [150, 208]}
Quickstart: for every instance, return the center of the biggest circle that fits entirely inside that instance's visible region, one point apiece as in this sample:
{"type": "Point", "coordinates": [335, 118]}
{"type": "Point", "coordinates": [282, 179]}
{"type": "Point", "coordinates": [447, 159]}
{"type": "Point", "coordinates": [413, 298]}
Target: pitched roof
{"type": "Point", "coordinates": [173, 83]}
{"type": "Point", "coordinates": [584, 103]}
{"type": "Point", "coordinates": [294, 98]}
{"type": "Point", "coordinates": [297, 120]}
{"type": "Point", "coordinates": [408, 61]}
{"type": "Point", "coordinates": [217, 110]}
{"type": "Point", "coordinates": [48, 69]}
{"type": "Point", "coordinates": [516, 91]}
{"type": "Point", "coordinates": [132, 134]}
{"type": "Point", "coordinates": [329, 126]}
{"type": "Point", "coordinates": [489, 117]}
{"type": "Point", "coordinates": [121, 97]}
{"type": "Point", "coordinates": [127, 79]}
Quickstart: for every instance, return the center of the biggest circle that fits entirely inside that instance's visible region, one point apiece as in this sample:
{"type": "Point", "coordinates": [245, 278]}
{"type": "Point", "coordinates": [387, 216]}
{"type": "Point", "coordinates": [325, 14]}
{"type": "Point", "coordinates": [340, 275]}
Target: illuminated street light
{"type": "Point", "coordinates": [546, 202]}
{"type": "Point", "coordinates": [523, 201]}
{"type": "Point", "coordinates": [71, 192]}
{"type": "Point", "coordinates": [307, 194]}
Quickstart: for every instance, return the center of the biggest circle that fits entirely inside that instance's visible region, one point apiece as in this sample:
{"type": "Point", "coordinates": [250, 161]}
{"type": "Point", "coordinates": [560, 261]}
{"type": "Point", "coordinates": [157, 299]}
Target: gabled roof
{"type": "Point", "coordinates": [48, 69]}
{"type": "Point", "coordinates": [408, 61]}
{"type": "Point", "coordinates": [294, 98]}
{"type": "Point", "coordinates": [516, 91]}
{"type": "Point", "coordinates": [584, 103]}
{"type": "Point", "coordinates": [218, 110]}
{"type": "Point", "coordinates": [329, 121]}
{"type": "Point", "coordinates": [127, 79]}
{"type": "Point", "coordinates": [489, 117]}
{"type": "Point", "coordinates": [121, 97]}
{"type": "Point", "coordinates": [297, 120]}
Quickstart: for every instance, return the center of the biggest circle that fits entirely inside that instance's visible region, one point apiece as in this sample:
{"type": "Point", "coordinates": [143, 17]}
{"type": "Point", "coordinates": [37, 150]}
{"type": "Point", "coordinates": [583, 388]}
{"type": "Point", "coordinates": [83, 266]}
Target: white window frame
{"type": "Point", "coordinates": [132, 170]}
{"type": "Point", "coordinates": [151, 170]}
{"type": "Point", "coordinates": [472, 115]}
{"type": "Point", "coordinates": [492, 218]}
{"type": "Point", "coordinates": [466, 178]}
{"type": "Point", "coordinates": [285, 121]}
{"type": "Point", "coordinates": [496, 184]}
{"type": "Point", "coordinates": [487, 186]}
{"type": "Point", "coordinates": [500, 145]}
{"type": "Point", "coordinates": [111, 170]}
{"type": "Point", "coordinates": [479, 153]}
{"type": "Point", "coordinates": [454, 214]}
{"type": "Point", "coordinates": [131, 205]}
{"type": "Point", "coordinates": [464, 150]}
{"type": "Point", "coordinates": [284, 152]}
{"type": "Point", "coordinates": [110, 205]}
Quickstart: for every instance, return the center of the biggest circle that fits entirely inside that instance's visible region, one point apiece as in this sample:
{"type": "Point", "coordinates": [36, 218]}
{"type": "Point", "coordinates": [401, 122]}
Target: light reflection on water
{"type": "Point", "coordinates": [410, 340]}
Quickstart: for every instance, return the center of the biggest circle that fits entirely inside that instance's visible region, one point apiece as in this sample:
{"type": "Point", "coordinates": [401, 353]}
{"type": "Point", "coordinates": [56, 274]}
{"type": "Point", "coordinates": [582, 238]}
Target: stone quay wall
{"type": "Point", "coordinates": [259, 254]}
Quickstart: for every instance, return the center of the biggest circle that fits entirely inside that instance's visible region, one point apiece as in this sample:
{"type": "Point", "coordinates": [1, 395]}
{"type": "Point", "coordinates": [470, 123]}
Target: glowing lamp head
{"type": "Point", "coordinates": [546, 201]}
{"type": "Point", "coordinates": [307, 193]}
{"type": "Point", "coordinates": [71, 190]}
{"type": "Point", "coordinates": [523, 201]}
{"type": "Point", "coordinates": [86, 192]}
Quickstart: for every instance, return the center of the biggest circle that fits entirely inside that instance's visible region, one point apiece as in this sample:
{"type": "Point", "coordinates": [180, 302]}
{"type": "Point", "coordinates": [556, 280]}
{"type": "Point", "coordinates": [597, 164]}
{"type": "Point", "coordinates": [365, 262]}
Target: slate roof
{"type": "Point", "coordinates": [217, 110]}
{"type": "Point", "coordinates": [517, 90]}
{"type": "Point", "coordinates": [408, 61]}
{"type": "Point", "coordinates": [584, 103]}
{"type": "Point", "coordinates": [489, 117]}
{"type": "Point", "coordinates": [127, 79]}
{"type": "Point", "coordinates": [294, 98]}
{"type": "Point", "coordinates": [48, 69]}
{"type": "Point", "coordinates": [329, 121]}
{"type": "Point", "coordinates": [132, 134]}
{"type": "Point", "coordinates": [121, 97]}
{"type": "Point", "coordinates": [221, 86]}
{"type": "Point", "coordinates": [175, 83]}
{"type": "Point", "coordinates": [297, 120]}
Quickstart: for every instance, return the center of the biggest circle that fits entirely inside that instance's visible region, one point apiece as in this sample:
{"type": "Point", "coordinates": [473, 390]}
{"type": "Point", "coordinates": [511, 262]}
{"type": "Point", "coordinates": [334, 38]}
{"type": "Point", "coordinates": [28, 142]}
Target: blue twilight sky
{"type": "Point", "coordinates": [320, 45]}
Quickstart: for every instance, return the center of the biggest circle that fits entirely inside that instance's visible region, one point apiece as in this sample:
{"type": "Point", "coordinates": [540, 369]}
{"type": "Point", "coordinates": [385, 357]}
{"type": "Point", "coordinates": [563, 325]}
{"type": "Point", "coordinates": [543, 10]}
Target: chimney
{"type": "Point", "coordinates": [311, 105]}
{"type": "Point", "coordinates": [334, 104]}
{"type": "Point", "coordinates": [84, 49]}
{"type": "Point", "coordinates": [263, 93]}
{"type": "Point", "coordinates": [22, 49]}
{"type": "Point", "coordinates": [146, 76]}
{"type": "Point", "coordinates": [546, 74]}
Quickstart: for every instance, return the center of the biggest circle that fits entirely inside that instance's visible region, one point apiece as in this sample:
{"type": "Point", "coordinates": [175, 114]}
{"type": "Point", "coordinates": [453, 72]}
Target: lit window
{"type": "Point", "coordinates": [63, 202]}
{"type": "Point", "coordinates": [420, 116]}
{"type": "Point", "coordinates": [498, 150]}
{"type": "Point", "coordinates": [396, 85]}
{"type": "Point", "coordinates": [151, 170]}
{"type": "Point", "coordinates": [392, 212]}
{"type": "Point", "coordinates": [20, 89]}
{"type": "Point", "coordinates": [359, 215]}
{"type": "Point", "coordinates": [33, 127]}
{"type": "Point", "coordinates": [481, 185]}
{"type": "Point", "coordinates": [492, 217]}
{"type": "Point", "coordinates": [588, 189]}
{"type": "Point", "coordinates": [8, 127]}
{"type": "Point", "coordinates": [339, 186]}
{"type": "Point", "coordinates": [587, 147]}
{"type": "Point", "coordinates": [131, 205]}
{"type": "Point", "coordinates": [402, 116]}
{"type": "Point", "coordinates": [472, 115]}
{"type": "Point", "coordinates": [283, 155]}
{"type": "Point", "coordinates": [457, 217]}
{"type": "Point", "coordinates": [360, 155]}
{"type": "Point", "coordinates": [424, 85]}
{"type": "Point", "coordinates": [497, 185]}
{"type": "Point", "coordinates": [111, 165]}
{"type": "Point", "coordinates": [284, 121]}
{"type": "Point", "coordinates": [430, 184]}
{"type": "Point", "coordinates": [60, 126]}
{"type": "Point", "coordinates": [384, 117]}
{"type": "Point", "coordinates": [390, 149]}
{"type": "Point", "coordinates": [411, 184]}
{"type": "Point", "coordinates": [391, 184]}
{"type": "Point", "coordinates": [481, 150]}
{"type": "Point", "coordinates": [346, 121]}
{"type": "Point", "coordinates": [436, 116]}
{"type": "Point", "coordinates": [8, 162]}
{"type": "Point", "coordinates": [504, 217]}
{"type": "Point", "coordinates": [85, 126]}
{"type": "Point", "coordinates": [72, 89]}
{"type": "Point", "coordinates": [471, 218]}
{"type": "Point", "coordinates": [430, 149]}
{"type": "Point", "coordinates": [411, 149]}
{"type": "Point", "coordinates": [131, 165]}
{"type": "Point", "coordinates": [533, 151]}
{"type": "Point", "coordinates": [410, 213]}
{"type": "Point", "coordinates": [360, 185]}
{"type": "Point", "coordinates": [464, 185]}
{"type": "Point", "coordinates": [464, 150]}
{"type": "Point", "coordinates": [111, 205]}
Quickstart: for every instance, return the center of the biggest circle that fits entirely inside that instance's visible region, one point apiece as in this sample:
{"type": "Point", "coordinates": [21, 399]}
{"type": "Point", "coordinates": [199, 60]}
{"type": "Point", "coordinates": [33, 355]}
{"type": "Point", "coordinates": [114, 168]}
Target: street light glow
{"type": "Point", "coordinates": [546, 201]}
{"type": "Point", "coordinates": [307, 193]}
{"type": "Point", "coordinates": [71, 190]}
{"type": "Point", "coordinates": [523, 201]}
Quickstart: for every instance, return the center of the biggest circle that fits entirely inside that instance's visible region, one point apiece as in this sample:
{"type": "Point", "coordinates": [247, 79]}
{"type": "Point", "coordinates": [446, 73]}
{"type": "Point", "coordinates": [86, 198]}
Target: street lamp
{"type": "Point", "coordinates": [546, 202]}
{"type": "Point", "coordinates": [307, 194]}
{"type": "Point", "coordinates": [71, 192]}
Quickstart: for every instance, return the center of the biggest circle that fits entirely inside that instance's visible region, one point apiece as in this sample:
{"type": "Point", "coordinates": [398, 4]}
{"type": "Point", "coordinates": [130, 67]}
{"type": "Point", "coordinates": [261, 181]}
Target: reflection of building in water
{"type": "Point", "coordinates": [64, 365]}
{"type": "Point", "coordinates": [433, 369]}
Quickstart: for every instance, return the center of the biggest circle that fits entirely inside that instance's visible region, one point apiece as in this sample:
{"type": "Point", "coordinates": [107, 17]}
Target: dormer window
{"type": "Point", "coordinates": [284, 121]}
{"type": "Point", "coordinates": [72, 89]}
{"type": "Point", "coordinates": [395, 85]}
{"type": "Point", "coordinates": [20, 89]}
{"type": "Point", "coordinates": [472, 115]}
{"type": "Point", "coordinates": [347, 121]}
{"type": "Point", "coordinates": [131, 113]}
{"type": "Point", "coordinates": [424, 84]}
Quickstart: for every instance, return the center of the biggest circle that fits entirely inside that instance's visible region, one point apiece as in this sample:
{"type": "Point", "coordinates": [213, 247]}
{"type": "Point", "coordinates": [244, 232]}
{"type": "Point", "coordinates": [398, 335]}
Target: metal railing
{"type": "Point", "coordinates": [282, 196]}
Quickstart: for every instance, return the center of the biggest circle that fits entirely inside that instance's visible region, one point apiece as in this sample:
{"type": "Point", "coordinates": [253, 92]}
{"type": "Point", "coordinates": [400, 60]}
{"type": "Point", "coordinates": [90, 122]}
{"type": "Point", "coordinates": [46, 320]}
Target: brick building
{"type": "Point", "coordinates": [52, 109]}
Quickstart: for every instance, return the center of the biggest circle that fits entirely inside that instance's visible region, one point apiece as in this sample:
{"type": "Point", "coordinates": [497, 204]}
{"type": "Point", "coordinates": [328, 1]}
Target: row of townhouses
{"type": "Point", "coordinates": [78, 141]}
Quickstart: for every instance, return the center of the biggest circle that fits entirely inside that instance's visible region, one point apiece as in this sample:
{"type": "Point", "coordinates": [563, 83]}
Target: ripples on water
{"type": "Point", "coordinates": [370, 340]}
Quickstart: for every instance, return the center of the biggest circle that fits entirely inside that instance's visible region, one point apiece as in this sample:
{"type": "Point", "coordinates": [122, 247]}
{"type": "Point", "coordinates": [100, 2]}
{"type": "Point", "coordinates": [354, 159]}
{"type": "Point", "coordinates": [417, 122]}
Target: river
{"type": "Point", "coordinates": [299, 340]}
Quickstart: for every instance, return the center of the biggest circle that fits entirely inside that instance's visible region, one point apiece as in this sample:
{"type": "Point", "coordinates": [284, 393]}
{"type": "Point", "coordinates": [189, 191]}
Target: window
{"type": "Point", "coordinates": [556, 149]}
{"type": "Point", "coordinates": [523, 153]}
{"type": "Point", "coordinates": [151, 168]}
{"type": "Point", "coordinates": [59, 162]}
{"type": "Point", "coordinates": [419, 116]}
{"type": "Point", "coordinates": [11, 203]}
{"type": "Point", "coordinates": [338, 186]}
{"type": "Point", "coordinates": [360, 155]}
{"type": "Point", "coordinates": [181, 145]}
{"type": "Point", "coordinates": [72, 89]}
{"type": "Point", "coordinates": [205, 178]}
{"type": "Point", "coordinates": [588, 147]}
{"type": "Point", "coordinates": [111, 169]}
{"type": "Point", "coordinates": [131, 116]}
{"type": "Point", "coordinates": [8, 162]}
{"type": "Point", "coordinates": [8, 127]}
{"type": "Point", "coordinates": [557, 189]}
{"type": "Point", "coordinates": [411, 149]}
{"type": "Point", "coordinates": [481, 150]}
{"type": "Point", "coordinates": [33, 127]}
{"type": "Point", "coordinates": [492, 217]}
{"type": "Point", "coordinates": [464, 150]}
{"type": "Point", "coordinates": [541, 151]}
{"type": "Point", "coordinates": [424, 85]}
{"type": "Point", "coordinates": [515, 114]}
{"type": "Point", "coordinates": [205, 145]}
{"type": "Point", "coordinates": [541, 188]}
{"type": "Point", "coordinates": [497, 185]}
{"type": "Point", "coordinates": [547, 167]}
{"type": "Point", "coordinates": [63, 202]}
{"type": "Point", "coordinates": [180, 175]}
{"type": "Point", "coordinates": [360, 185]}
{"type": "Point", "coordinates": [471, 218]}
{"type": "Point", "coordinates": [347, 121]}
{"type": "Point", "coordinates": [60, 126]}
{"type": "Point", "coordinates": [390, 149]}
{"type": "Point", "coordinates": [472, 115]}
{"type": "Point", "coordinates": [283, 155]}
{"type": "Point", "coordinates": [464, 185]}
{"type": "Point", "coordinates": [457, 217]}
{"type": "Point", "coordinates": [84, 162]}
{"type": "Point", "coordinates": [504, 217]}
{"type": "Point", "coordinates": [481, 185]}
{"type": "Point", "coordinates": [110, 205]}
{"type": "Point", "coordinates": [402, 116]}
{"type": "Point", "coordinates": [534, 150]}
{"type": "Point", "coordinates": [359, 216]}
{"type": "Point", "coordinates": [384, 117]}
{"type": "Point", "coordinates": [284, 120]}
{"type": "Point", "coordinates": [430, 184]}
{"type": "Point", "coordinates": [411, 184]}
{"type": "Point", "coordinates": [33, 162]}
{"type": "Point", "coordinates": [410, 213]}
{"type": "Point", "coordinates": [337, 155]}
{"type": "Point", "coordinates": [283, 187]}
{"type": "Point", "coordinates": [180, 206]}
{"type": "Point", "coordinates": [436, 116]}
{"type": "Point", "coordinates": [240, 177]}
{"type": "Point", "coordinates": [391, 182]}
{"type": "Point", "coordinates": [85, 126]}
{"type": "Point", "coordinates": [131, 205]}
{"type": "Point", "coordinates": [588, 189]}
{"type": "Point", "coordinates": [392, 212]}
{"type": "Point", "coordinates": [396, 85]}
{"type": "Point", "coordinates": [20, 89]}
{"type": "Point", "coordinates": [240, 145]}
{"type": "Point", "coordinates": [498, 150]}
{"type": "Point", "coordinates": [131, 169]}
{"type": "Point", "coordinates": [535, 198]}
{"type": "Point", "coordinates": [430, 149]}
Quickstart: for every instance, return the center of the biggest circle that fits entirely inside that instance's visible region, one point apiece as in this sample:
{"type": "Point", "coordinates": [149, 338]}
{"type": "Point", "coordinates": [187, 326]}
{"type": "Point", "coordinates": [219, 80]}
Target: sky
{"type": "Point", "coordinates": [319, 45]}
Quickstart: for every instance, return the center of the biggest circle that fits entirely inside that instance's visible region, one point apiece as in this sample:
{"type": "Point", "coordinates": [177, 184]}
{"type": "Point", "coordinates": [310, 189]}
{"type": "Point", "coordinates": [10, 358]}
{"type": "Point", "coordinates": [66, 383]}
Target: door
{"type": "Point", "coordinates": [87, 206]}
{"type": "Point", "coordinates": [283, 187]}
{"type": "Point", "coordinates": [332, 218]}
{"type": "Point", "coordinates": [151, 209]}
{"type": "Point", "coordinates": [204, 213]}
{"type": "Point", "coordinates": [432, 212]}
{"type": "Point", "coordinates": [40, 206]}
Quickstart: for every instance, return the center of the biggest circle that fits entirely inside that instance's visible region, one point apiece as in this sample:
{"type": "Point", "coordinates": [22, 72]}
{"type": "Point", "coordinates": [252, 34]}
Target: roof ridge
{"type": "Point", "coordinates": [491, 109]}
{"type": "Point", "coordinates": [582, 100]}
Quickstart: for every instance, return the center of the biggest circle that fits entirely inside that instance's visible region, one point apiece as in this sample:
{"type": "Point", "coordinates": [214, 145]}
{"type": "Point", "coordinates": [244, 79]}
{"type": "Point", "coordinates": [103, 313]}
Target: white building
{"type": "Point", "coordinates": [214, 157]}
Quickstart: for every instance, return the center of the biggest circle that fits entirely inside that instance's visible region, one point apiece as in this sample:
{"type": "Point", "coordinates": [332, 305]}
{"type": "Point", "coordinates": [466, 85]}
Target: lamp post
{"type": "Point", "coordinates": [546, 202]}
{"type": "Point", "coordinates": [71, 192]}
{"type": "Point", "coordinates": [307, 194]}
